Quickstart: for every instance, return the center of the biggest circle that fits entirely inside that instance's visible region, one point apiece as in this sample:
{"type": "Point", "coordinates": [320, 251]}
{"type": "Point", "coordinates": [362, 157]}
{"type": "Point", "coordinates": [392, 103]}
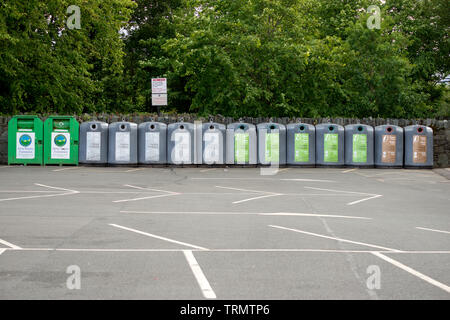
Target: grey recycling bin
{"type": "Point", "coordinates": [152, 146]}
{"type": "Point", "coordinates": [122, 143]}
{"type": "Point", "coordinates": [271, 143]}
{"type": "Point", "coordinates": [359, 145]}
{"type": "Point", "coordinates": [301, 144]}
{"type": "Point", "coordinates": [241, 144]}
{"type": "Point", "coordinates": [213, 144]}
{"type": "Point", "coordinates": [329, 145]}
{"type": "Point", "coordinates": [93, 143]}
{"type": "Point", "coordinates": [180, 143]}
{"type": "Point", "coordinates": [388, 146]}
{"type": "Point", "coordinates": [418, 146]}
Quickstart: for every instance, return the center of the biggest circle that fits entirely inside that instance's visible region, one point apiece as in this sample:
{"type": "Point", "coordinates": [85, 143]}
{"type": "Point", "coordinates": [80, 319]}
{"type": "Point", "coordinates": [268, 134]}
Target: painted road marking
{"type": "Point", "coordinates": [349, 170]}
{"type": "Point", "coordinates": [372, 196]}
{"type": "Point", "coordinates": [334, 238]}
{"type": "Point", "coordinates": [134, 170]}
{"type": "Point", "coordinates": [362, 200]}
{"type": "Point", "coordinates": [435, 230]}
{"type": "Point", "coordinates": [266, 194]}
{"type": "Point", "coordinates": [270, 179]}
{"type": "Point", "coordinates": [413, 272]}
{"type": "Point", "coordinates": [56, 188]}
{"type": "Point", "coordinates": [307, 180]}
{"type": "Point", "coordinates": [143, 198]}
{"type": "Point", "coordinates": [256, 198]}
{"type": "Point", "coordinates": [8, 244]}
{"type": "Point", "coordinates": [1, 251]}
{"type": "Point", "coordinates": [207, 291]}
{"type": "Point", "coordinates": [158, 237]}
{"type": "Point", "coordinates": [157, 190]}
{"type": "Point", "coordinates": [207, 170]}
{"type": "Point", "coordinates": [64, 169]}
{"type": "Point", "coordinates": [69, 192]}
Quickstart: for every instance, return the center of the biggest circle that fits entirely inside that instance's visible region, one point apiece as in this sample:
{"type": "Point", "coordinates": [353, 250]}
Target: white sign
{"type": "Point", "coordinates": [122, 146]}
{"type": "Point", "coordinates": [25, 146]}
{"type": "Point", "coordinates": [182, 149]}
{"type": "Point", "coordinates": [159, 85]}
{"type": "Point", "coordinates": [159, 99]}
{"type": "Point", "coordinates": [152, 146]}
{"type": "Point", "coordinates": [60, 145]}
{"type": "Point", "coordinates": [212, 150]}
{"type": "Point", "coordinates": [93, 146]}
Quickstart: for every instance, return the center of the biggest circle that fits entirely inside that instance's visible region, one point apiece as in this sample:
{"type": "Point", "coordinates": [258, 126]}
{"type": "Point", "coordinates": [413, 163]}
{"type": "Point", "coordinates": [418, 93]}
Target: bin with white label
{"type": "Point", "coordinates": [152, 146]}
{"type": "Point", "coordinates": [388, 146]}
{"type": "Point", "coordinates": [180, 143]}
{"type": "Point", "coordinates": [25, 138]}
{"type": "Point", "coordinates": [359, 145]}
{"type": "Point", "coordinates": [418, 146]}
{"type": "Point", "coordinates": [329, 145]}
{"type": "Point", "coordinates": [93, 143]}
{"type": "Point", "coordinates": [61, 140]}
{"type": "Point", "coordinates": [241, 144]}
{"type": "Point", "coordinates": [271, 143]}
{"type": "Point", "coordinates": [301, 144]}
{"type": "Point", "coordinates": [122, 145]}
{"type": "Point", "coordinates": [213, 143]}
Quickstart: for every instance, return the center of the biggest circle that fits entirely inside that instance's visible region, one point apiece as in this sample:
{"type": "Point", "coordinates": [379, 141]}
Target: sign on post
{"type": "Point", "coordinates": [159, 92]}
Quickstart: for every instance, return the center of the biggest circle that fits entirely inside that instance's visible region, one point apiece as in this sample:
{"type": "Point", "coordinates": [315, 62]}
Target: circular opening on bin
{"type": "Point", "coordinates": [152, 126]}
{"type": "Point", "coordinates": [182, 127]}
{"type": "Point", "coordinates": [389, 129]}
{"type": "Point", "coordinates": [302, 128]}
{"type": "Point", "coordinates": [331, 128]}
{"type": "Point", "coordinates": [211, 127]}
{"type": "Point", "coordinates": [241, 127]}
{"type": "Point", "coordinates": [272, 127]}
{"type": "Point", "coordinates": [123, 127]}
{"type": "Point", "coordinates": [360, 128]}
{"type": "Point", "coordinates": [94, 126]}
{"type": "Point", "coordinates": [420, 130]}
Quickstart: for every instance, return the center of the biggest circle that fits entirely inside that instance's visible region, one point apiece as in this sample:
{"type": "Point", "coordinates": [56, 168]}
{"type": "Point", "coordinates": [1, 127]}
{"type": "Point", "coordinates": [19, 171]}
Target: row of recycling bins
{"type": "Point", "coordinates": [60, 140]}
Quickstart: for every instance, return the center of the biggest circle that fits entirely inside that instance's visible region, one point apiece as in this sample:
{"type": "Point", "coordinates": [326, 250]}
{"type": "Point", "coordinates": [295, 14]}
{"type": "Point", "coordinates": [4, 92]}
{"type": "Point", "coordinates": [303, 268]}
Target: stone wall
{"type": "Point", "coordinates": [440, 127]}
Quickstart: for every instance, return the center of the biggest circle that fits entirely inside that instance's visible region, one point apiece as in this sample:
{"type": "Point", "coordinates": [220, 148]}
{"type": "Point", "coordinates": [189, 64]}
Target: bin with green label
{"type": "Point", "coordinates": [329, 144]}
{"type": "Point", "coordinates": [359, 145]}
{"type": "Point", "coordinates": [61, 134]}
{"type": "Point", "coordinates": [241, 144]}
{"type": "Point", "coordinates": [271, 143]}
{"type": "Point", "coordinates": [301, 144]}
{"type": "Point", "coordinates": [25, 140]}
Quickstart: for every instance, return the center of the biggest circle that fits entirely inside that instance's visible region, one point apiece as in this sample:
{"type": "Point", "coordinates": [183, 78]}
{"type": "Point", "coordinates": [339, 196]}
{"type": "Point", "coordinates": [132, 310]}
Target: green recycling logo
{"type": "Point", "coordinates": [60, 140]}
{"type": "Point", "coordinates": [25, 140]}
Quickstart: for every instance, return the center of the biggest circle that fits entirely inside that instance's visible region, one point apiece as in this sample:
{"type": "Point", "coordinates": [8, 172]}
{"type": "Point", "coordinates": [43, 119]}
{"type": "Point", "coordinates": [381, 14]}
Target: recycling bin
{"type": "Point", "coordinates": [418, 146]}
{"type": "Point", "coordinates": [359, 145]}
{"type": "Point", "coordinates": [271, 143]}
{"type": "Point", "coordinates": [241, 144]}
{"type": "Point", "coordinates": [329, 145]}
{"type": "Point", "coordinates": [180, 143]}
{"type": "Point", "coordinates": [301, 144]}
{"type": "Point", "coordinates": [388, 146]}
{"type": "Point", "coordinates": [93, 142]}
{"type": "Point", "coordinates": [213, 143]}
{"type": "Point", "coordinates": [25, 140]}
{"type": "Point", "coordinates": [122, 145]}
{"type": "Point", "coordinates": [152, 140]}
{"type": "Point", "coordinates": [61, 140]}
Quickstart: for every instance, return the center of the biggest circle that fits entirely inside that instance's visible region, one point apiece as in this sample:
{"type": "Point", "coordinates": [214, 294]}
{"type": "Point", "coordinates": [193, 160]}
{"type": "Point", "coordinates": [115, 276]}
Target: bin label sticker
{"type": "Point", "coordinates": [360, 148]}
{"type": "Point", "coordinates": [331, 147]}
{"type": "Point", "coordinates": [123, 146]}
{"type": "Point", "coordinates": [419, 149]}
{"type": "Point", "coordinates": [152, 146]}
{"type": "Point", "coordinates": [301, 147]}
{"type": "Point", "coordinates": [389, 147]}
{"type": "Point", "coordinates": [93, 146]}
{"type": "Point", "coordinates": [272, 147]}
{"type": "Point", "coordinates": [60, 145]}
{"type": "Point", "coordinates": [25, 146]}
{"type": "Point", "coordinates": [212, 147]}
{"type": "Point", "coordinates": [241, 147]}
{"type": "Point", "coordinates": [182, 149]}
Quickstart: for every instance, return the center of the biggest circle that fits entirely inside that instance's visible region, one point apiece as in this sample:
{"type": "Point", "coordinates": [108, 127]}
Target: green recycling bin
{"type": "Point", "coordinates": [61, 140]}
{"type": "Point", "coordinates": [25, 136]}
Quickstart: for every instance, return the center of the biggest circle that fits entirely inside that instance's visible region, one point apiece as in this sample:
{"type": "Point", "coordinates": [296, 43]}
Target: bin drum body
{"type": "Point", "coordinates": [122, 145]}
{"type": "Point", "coordinates": [271, 143]}
{"type": "Point", "coordinates": [213, 143]}
{"type": "Point", "coordinates": [61, 135]}
{"type": "Point", "coordinates": [389, 146]}
{"type": "Point", "coordinates": [25, 140]}
{"type": "Point", "coordinates": [180, 143]}
{"type": "Point", "coordinates": [301, 144]}
{"type": "Point", "coordinates": [241, 144]}
{"type": "Point", "coordinates": [418, 146]}
{"type": "Point", "coordinates": [152, 141]}
{"type": "Point", "coordinates": [359, 145]}
{"type": "Point", "coordinates": [329, 144]}
{"type": "Point", "coordinates": [93, 142]}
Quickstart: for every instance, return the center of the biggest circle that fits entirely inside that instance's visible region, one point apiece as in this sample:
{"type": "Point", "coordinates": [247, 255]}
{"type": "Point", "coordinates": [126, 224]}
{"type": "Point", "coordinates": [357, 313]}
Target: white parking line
{"type": "Point", "coordinates": [157, 237]}
{"type": "Point", "coordinates": [1, 251]}
{"type": "Point", "coordinates": [64, 169]}
{"type": "Point", "coordinates": [8, 244]}
{"type": "Point", "coordinates": [435, 230]}
{"type": "Point", "coordinates": [372, 196]}
{"type": "Point", "coordinates": [142, 188]}
{"type": "Point", "coordinates": [56, 188]}
{"type": "Point", "coordinates": [207, 170]}
{"type": "Point", "coordinates": [349, 170]}
{"type": "Point", "coordinates": [207, 291]}
{"type": "Point", "coordinates": [69, 192]}
{"type": "Point", "coordinates": [257, 198]}
{"type": "Point", "coordinates": [134, 170]}
{"type": "Point", "coordinates": [362, 200]}
{"type": "Point", "coordinates": [144, 198]}
{"type": "Point", "coordinates": [413, 272]}
{"type": "Point", "coordinates": [307, 180]}
{"type": "Point", "coordinates": [334, 238]}
{"type": "Point", "coordinates": [266, 194]}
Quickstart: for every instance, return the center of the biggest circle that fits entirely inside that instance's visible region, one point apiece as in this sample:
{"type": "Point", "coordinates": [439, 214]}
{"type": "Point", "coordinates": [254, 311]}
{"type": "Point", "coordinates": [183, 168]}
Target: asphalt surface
{"type": "Point", "coordinates": [199, 233]}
